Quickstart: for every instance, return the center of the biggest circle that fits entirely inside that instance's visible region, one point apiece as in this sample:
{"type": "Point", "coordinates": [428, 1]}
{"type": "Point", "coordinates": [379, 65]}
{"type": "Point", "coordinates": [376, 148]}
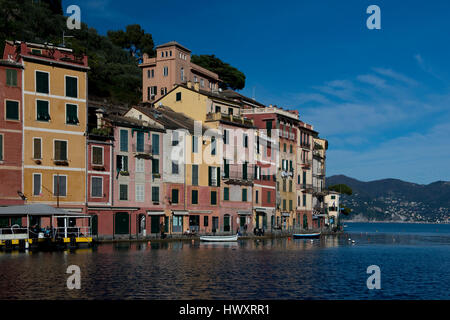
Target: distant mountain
{"type": "Point", "coordinates": [395, 200]}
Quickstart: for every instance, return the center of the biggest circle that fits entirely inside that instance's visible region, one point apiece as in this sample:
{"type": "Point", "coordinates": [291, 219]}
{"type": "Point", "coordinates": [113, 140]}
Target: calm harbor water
{"type": "Point", "coordinates": [414, 261]}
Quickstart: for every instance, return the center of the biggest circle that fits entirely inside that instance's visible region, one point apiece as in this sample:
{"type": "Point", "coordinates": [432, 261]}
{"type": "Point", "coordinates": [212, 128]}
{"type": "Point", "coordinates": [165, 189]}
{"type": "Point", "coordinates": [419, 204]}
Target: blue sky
{"type": "Point", "coordinates": [381, 97]}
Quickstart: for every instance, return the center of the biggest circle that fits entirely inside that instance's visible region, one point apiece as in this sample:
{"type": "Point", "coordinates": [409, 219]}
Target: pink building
{"type": "Point", "coordinates": [171, 66]}
{"type": "Point", "coordinates": [11, 132]}
{"type": "Point", "coordinates": [128, 194]}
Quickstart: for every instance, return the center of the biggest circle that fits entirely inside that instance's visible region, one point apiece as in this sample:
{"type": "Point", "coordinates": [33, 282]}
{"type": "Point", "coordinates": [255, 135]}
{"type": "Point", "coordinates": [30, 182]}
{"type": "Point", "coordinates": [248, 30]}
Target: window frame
{"type": "Point", "coordinates": [192, 196]}
{"type": "Point", "coordinates": [65, 86]}
{"type": "Point", "coordinates": [92, 184]}
{"type": "Point", "coordinates": [154, 188]}
{"type": "Point", "coordinates": [40, 184]}
{"type": "Point", "coordinates": [120, 192]}
{"type": "Point", "coordinates": [34, 151]}
{"type": "Point", "coordinates": [92, 156]}
{"type": "Point", "coordinates": [6, 80]}
{"type": "Point", "coordinates": [60, 175]}
{"type": "Point", "coordinates": [120, 140]}
{"type": "Point", "coordinates": [48, 110]}
{"type": "Point", "coordinates": [78, 118]}
{"type": "Point", "coordinates": [67, 149]}
{"type": "Point", "coordinates": [136, 185]}
{"type": "Point", "coordinates": [48, 83]}
{"type": "Point", "coordinates": [18, 110]}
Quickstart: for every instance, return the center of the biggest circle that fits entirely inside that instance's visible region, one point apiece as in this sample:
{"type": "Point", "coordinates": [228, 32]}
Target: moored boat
{"type": "Point", "coordinates": [307, 236]}
{"type": "Point", "coordinates": [219, 238]}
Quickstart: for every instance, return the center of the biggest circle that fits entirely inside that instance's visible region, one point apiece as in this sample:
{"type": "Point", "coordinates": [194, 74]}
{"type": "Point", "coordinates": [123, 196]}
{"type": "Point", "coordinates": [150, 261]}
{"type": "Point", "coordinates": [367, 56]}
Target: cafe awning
{"type": "Point", "coordinates": [155, 213]}
{"type": "Point", "coordinates": [180, 213]}
{"type": "Point", "coordinates": [42, 210]}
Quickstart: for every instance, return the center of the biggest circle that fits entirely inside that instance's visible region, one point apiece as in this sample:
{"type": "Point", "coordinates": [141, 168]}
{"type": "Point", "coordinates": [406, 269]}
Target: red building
{"type": "Point", "coordinates": [11, 132]}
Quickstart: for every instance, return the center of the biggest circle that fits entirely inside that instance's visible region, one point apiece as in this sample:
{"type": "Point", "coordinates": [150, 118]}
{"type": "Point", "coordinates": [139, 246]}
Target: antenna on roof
{"type": "Point", "coordinates": [64, 38]}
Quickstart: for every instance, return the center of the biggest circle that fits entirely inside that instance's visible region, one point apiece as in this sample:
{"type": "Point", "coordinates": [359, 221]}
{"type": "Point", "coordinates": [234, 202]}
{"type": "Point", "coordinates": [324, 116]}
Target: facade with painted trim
{"type": "Point", "coordinates": [54, 124]}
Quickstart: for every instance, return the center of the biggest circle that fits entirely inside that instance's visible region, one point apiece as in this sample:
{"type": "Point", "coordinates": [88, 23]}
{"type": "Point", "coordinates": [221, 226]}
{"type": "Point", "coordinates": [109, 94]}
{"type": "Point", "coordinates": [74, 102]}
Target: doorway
{"type": "Point", "coordinates": [194, 223]}
{"type": "Point", "coordinates": [154, 223]}
{"type": "Point", "coordinates": [122, 223]}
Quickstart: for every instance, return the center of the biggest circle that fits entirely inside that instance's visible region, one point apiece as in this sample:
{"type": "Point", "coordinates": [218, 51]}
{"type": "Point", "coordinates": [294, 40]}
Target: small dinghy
{"type": "Point", "coordinates": [307, 236]}
{"type": "Point", "coordinates": [219, 238]}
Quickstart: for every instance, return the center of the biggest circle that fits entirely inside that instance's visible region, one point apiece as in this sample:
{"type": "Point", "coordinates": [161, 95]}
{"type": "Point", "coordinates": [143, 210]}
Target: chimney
{"type": "Point", "coordinates": [196, 86]}
{"type": "Point", "coordinates": [99, 114]}
{"type": "Point", "coordinates": [189, 84]}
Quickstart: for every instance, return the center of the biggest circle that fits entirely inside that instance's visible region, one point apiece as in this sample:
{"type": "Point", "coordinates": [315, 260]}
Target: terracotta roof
{"type": "Point", "coordinates": [170, 119]}
{"type": "Point", "coordinates": [234, 95]}
{"type": "Point", "coordinates": [173, 43]}
{"type": "Point", "coordinates": [11, 63]}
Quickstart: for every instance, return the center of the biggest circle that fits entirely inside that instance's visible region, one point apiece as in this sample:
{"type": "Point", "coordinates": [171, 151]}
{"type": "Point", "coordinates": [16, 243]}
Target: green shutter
{"type": "Point", "coordinates": [226, 168]}
{"type": "Point", "coordinates": [60, 150]}
{"type": "Point", "coordinates": [12, 110]}
{"type": "Point", "coordinates": [124, 140]}
{"type": "Point", "coordinates": [11, 77]}
{"type": "Point", "coordinates": [42, 82]}
{"type": "Point", "coordinates": [226, 194]}
{"type": "Point", "coordinates": [213, 197]}
{"type": "Point", "coordinates": [37, 149]}
{"type": "Point", "coordinates": [194, 196]}
{"type": "Point", "coordinates": [71, 114]}
{"type": "Point", "coordinates": [210, 176]}
{"type": "Point", "coordinates": [71, 87]}
{"type": "Point", "coordinates": [218, 176]}
{"type": "Point", "coordinates": [174, 195]}
{"type": "Point", "coordinates": [42, 111]}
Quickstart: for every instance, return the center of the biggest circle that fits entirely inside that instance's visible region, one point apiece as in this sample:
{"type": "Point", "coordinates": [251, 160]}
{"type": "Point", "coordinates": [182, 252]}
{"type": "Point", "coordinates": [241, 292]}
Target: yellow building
{"type": "Point", "coordinates": [54, 142]}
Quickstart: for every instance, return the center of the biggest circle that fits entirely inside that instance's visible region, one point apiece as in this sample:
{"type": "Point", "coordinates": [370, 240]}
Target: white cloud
{"type": "Point", "coordinates": [395, 75]}
{"type": "Point", "coordinates": [373, 80]}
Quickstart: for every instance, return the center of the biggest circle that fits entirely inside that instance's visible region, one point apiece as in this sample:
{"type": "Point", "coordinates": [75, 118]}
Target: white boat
{"type": "Point", "coordinates": [219, 238]}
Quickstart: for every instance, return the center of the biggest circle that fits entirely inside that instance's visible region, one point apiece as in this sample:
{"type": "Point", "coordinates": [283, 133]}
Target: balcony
{"type": "Point", "coordinates": [306, 164]}
{"type": "Point", "coordinates": [142, 151]}
{"type": "Point", "coordinates": [307, 188]}
{"type": "Point", "coordinates": [218, 116]}
{"type": "Point", "coordinates": [306, 146]}
{"type": "Point", "coordinates": [319, 154]}
{"type": "Point", "coordinates": [237, 176]}
{"type": "Point", "coordinates": [287, 174]}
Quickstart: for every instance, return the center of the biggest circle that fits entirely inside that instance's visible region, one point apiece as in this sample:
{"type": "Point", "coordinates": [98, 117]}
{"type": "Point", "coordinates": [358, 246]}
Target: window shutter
{"type": "Point", "coordinates": [36, 184]}
{"type": "Point", "coordinates": [37, 149]}
{"type": "Point", "coordinates": [140, 142]}
{"type": "Point", "coordinates": [124, 140]}
{"type": "Point", "coordinates": [226, 168]}
{"type": "Point", "coordinates": [72, 87]}
{"type": "Point", "coordinates": [210, 176]}
{"type": "Point", "coordinates": [42, 111]}
{"type": "Point", "coordinates": [42, 82]}
{"type": "Point", "coordinates": [12, 110]}
{"type": "Point", "coordinates": [194, 174]}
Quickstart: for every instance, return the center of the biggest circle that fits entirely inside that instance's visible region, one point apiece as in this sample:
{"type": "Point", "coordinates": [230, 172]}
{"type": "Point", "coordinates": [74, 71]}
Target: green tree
{"type": "Point", "coordinates": [341, 188]}
{"type": "Point", "coordinates": [346, 210]}
{"type": "Point", "coordinates": [231, 77]}
{"type": "Point", "coordinates": [134, 39]}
